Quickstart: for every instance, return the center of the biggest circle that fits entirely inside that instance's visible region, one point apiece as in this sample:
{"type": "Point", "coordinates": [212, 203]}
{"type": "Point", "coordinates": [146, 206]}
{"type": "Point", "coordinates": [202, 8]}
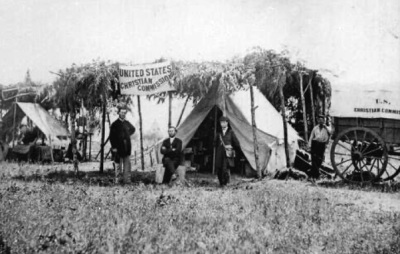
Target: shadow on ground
{"type": "Point", "coordinates": [108, 178]}
{"type": "Point", "coordinates": [387, 186]}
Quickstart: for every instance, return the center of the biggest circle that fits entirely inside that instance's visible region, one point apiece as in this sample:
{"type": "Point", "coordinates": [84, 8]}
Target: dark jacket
{"type": "Point", "coordinates": [120, 137]}
{"type": "Point", "coordinates": [173, 155]}
{"type": "Point", "coordinates": [229, 139]}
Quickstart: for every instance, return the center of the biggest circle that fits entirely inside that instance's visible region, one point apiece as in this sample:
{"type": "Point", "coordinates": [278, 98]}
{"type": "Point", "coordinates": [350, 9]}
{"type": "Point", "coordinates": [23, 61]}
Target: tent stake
{"type": "Point", "coordinates": [253, 123]}
{"type": "Point", "coordinates": [141, 132]}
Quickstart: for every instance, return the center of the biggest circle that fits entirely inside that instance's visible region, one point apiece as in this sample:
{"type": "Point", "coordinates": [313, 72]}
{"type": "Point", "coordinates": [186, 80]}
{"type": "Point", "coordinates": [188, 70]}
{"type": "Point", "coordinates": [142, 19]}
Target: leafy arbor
{"type": "Point", "coordinates": [87, 85]}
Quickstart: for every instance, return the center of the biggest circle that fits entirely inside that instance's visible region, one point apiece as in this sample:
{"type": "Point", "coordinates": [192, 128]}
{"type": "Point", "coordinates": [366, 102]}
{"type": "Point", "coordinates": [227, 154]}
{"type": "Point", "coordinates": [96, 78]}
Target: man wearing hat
{"type": "Point", "coordinates": [120, 138]}
{"type": "Point", "coordinates": [225, 159]}
{"type": "Point", "coordinates": [319, 139]}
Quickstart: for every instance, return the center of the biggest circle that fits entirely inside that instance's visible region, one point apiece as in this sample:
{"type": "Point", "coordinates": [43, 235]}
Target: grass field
{"type": "Point", "coordinates": [46, 209]}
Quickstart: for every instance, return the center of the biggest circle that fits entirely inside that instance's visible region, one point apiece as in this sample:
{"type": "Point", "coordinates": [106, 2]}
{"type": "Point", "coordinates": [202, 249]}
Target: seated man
{"type": "Point", "coordinates": [171, 148]}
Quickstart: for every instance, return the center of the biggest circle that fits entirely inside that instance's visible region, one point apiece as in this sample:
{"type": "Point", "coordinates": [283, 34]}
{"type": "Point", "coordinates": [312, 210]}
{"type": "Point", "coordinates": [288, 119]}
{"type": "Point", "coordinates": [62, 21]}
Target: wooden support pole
{"type": "Point", "coordinates": [215, 138]}
{"type": "Point", "coordinates": [253, 123]}
{"type": "Point", "coordinates": [90, 146]}
{"type": "Point", "coordinates": [135, 158]}
{"type": "Point", "coordinates": [156, 153]}
{"type": "Point", "coordinates": [141, 132]}
{"type": "Point", "coordinates": [103, 131]}
{"type": "Point", "coordinates": [169, 109]}
{"type": "Point", "coordinates": [15, 115]}
{"type": "Point", "coordinates": [183, 110]}
{"type": "Point", "coordinates": [303, 103]}
{"type": "Point", "coordinates": [310, 78]}
{"type": "Point", "coordinates": [151, 158]}
{"type": "Point", "coordinates": [283, 112]}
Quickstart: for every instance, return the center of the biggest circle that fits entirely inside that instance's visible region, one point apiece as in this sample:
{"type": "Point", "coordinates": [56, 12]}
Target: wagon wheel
{"type": "Point", "coordinates": [393, 166]}
{"type": "Point", "coordinates": [359, 155]}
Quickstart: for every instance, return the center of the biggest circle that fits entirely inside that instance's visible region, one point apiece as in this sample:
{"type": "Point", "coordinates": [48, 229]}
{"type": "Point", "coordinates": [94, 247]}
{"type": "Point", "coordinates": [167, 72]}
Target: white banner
{"type": "Point", "coordinates": [145, 79]}
{"type": "Point", "coordinates": [379, 103]}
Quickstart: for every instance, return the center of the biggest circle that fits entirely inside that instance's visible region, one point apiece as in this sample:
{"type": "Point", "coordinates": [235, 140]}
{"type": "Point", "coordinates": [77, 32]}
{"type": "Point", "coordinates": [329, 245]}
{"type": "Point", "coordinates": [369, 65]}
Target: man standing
{"type": "Point", "coordinates": [226, 140]}
{"type": "Point", "coordinates": [120, 139]}
{"type": "Point", "coordinates": [319, 139]}
{"type": "Point", "coordinates": [171, 148]}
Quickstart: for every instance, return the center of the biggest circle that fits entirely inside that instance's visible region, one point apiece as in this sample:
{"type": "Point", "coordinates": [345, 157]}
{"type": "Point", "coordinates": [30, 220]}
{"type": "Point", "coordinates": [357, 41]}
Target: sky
{"type": "Point", "coordinates": [347, 40]}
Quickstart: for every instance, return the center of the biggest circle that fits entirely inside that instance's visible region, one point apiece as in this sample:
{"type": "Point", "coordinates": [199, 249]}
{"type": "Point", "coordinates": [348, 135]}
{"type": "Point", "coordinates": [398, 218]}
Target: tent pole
{"type": "Point", "coordinates": [304, 106]}
{"type": "Point", "coordinates": [254, 127]}
{"type": "Point", "coordinates": [183, 110]}
{"type": "Point", "coordinates": [15, 115]}
{"type": "Point", "coordinates": [51, 150]}
{"type": "Point", "coordinates": [312, 97]}
{"type": "Point", "coordinates": [169, 109]}
{"type": "Point", "coordinates": [285, 132]}
{"type": "Point", "coordinates": [215, 138]}
{"type": "Point", "coordinates": [103, 125]}
{"type": "Point", "coordinates": [141, 133]}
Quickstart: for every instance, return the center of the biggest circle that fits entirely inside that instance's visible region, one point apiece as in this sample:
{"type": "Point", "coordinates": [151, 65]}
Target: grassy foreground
{"type": "Point", "coordinates": [51, 212]}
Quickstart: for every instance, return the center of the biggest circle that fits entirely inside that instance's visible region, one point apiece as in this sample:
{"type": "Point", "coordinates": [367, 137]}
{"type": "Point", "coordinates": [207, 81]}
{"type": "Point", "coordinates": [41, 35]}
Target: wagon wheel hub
{"type": "Point", "coordinates": [358, 156]}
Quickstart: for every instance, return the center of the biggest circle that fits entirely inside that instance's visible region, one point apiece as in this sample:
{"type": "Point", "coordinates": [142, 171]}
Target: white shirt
{"type": "Point", "coordinates": [171, 140]}
{"type": "Point", "coordinates": [224, 131]}
{"type": "Point", "coordinates": [320, 134]}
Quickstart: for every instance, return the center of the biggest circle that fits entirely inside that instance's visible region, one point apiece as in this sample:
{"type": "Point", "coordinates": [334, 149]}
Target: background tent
{"type": "Point", "coordinates": [49, 126]}
{"type": "Point", "coordinates": [236, 106]}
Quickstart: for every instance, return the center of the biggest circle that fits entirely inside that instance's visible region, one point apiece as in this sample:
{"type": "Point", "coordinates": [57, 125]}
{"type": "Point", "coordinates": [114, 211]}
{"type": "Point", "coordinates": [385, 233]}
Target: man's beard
{"type": "Point", "coordinates": [172, 136]}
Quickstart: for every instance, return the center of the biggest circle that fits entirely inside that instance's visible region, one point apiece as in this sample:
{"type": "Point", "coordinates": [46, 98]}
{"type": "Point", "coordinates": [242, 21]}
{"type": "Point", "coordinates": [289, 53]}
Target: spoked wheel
{"type": "Point", "coordinates": [359, 155]}
{"type": "Point", "coordinates": [393, 166]}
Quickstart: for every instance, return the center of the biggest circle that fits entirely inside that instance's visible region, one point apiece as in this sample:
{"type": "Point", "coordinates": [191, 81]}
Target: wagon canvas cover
{"type": "Point", "coordinates": [366, 101]}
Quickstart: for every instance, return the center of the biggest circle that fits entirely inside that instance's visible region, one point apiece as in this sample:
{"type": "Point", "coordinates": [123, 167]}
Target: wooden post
{"type": "Point", "coordinates": [151, 158]}
{"type": "Point", "coordinates": [285, 132]}
{"type": "Point", "coordinates": [51, 150]}
{"type": "Point", "coordinates": [310, 77]}
{"type": "Point", "coordinates": [103, 131]}
{"type": "Point", "coordinates": [156, 153]}
{"type": "Point", "coordinates": [323, 98]}
{"type": "Point", "coordinates": [169, 109]}
{"type": "Point", "coordinates": [183, 110]}
{"type": "Point", "coordinates": [15, 115]}
{"type": "Point", "coordinates": [90, 146]}
{"type": "Point", "coordinates": [141, 132]}
{"type": "Point", "coordinates": [254, 126]}
{"type": "Point", "coordinates": [135, 158]}
{"type": "Point", "coordinates": [215, 138]}
{"type": "Point", "coordinates": [304, 106]}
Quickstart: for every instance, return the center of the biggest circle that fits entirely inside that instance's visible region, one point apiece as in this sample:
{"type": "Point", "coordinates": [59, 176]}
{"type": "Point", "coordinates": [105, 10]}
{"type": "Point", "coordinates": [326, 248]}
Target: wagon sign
{"type": "Point", "coordinates": [145, 79]}
{"type": "Point", "coordinates": [377, 103]}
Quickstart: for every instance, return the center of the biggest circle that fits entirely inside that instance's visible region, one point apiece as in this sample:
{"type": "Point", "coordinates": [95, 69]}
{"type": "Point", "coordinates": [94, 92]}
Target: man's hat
{"type": "Point", "coordinates": [223, 118]}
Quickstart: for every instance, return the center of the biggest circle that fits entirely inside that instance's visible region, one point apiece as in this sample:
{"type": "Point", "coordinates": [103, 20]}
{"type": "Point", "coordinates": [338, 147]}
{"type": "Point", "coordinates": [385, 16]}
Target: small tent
{"type": "Point", "coordinates": [236, 106]}
{"type": "Point", "coordinates": [49, 126]}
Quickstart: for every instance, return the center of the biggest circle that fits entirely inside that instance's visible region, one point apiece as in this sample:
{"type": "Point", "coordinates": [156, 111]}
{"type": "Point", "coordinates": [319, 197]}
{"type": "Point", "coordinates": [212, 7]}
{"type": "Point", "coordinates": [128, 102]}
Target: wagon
{"type": "Point", "coordinates": [366, 133]}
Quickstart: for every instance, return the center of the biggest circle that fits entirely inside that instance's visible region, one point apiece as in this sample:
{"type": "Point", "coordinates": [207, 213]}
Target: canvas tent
{"type": "Point", "coordinates": [49, 126]}
{"type": "Point", "coordinates": [236, 106]}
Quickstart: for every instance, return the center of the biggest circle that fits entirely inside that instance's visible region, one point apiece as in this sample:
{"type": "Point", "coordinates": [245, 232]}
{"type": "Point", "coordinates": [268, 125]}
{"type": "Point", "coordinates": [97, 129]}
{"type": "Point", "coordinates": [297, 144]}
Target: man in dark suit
{"type": "Point", "coordinates": [226, 139]}
{"type": "Point", "coordinates": [171, 148]}
{"type": "Point", "coordinates": [120, 138]}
